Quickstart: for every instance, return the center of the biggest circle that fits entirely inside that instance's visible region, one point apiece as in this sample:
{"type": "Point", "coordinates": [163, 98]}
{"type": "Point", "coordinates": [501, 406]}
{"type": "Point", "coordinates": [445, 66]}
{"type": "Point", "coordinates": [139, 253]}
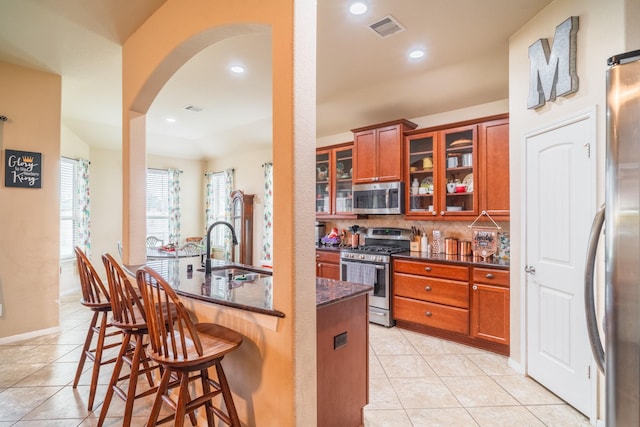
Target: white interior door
{"type": "Point", "coordinates": [559, 208]}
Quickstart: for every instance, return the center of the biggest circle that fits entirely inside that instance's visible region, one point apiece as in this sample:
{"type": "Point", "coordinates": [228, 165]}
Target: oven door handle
{"type": "Point", "coordinates": [380, 267]}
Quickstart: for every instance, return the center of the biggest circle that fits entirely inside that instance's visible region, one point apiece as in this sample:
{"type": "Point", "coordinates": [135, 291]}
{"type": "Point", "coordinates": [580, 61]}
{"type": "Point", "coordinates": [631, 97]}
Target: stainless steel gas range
{"type": "Point", "coordinates": [370, 264]}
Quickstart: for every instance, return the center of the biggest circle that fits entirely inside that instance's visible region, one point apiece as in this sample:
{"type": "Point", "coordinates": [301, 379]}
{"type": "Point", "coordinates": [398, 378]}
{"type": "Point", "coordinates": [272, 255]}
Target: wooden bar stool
{"type": "Point", "coordinates": [129, 317]}
{"type": "Point", "coordinates": [187, 349]}
{"type": "Point", "coordinates": [96, 297]}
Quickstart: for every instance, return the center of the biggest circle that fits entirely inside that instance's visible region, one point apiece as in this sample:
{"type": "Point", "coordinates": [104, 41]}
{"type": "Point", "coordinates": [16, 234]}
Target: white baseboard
{"type": "Point", "coordinates": [516, 366]}
{"type": "Point", "coordinates": [26, 336]}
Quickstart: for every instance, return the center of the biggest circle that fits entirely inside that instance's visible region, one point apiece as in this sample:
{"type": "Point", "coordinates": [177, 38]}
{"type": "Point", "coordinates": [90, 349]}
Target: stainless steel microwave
{"type": "Point", "coordinates": [379, 198]}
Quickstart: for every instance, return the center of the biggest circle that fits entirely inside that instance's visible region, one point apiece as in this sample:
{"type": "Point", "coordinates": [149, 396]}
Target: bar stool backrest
{"type": "Point", "coordinates": [126, 304]}
{"type": "Point", "coordinates": [94, 292]}
{"type": "Point", "coordinates": [172, 334]}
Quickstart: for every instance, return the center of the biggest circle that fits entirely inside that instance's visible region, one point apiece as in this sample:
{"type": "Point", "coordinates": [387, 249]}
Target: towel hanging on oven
{"type": "Point", "coordinates": [361, 273]}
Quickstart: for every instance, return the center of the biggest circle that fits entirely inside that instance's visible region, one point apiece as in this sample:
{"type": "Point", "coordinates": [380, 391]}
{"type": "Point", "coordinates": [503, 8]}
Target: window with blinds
{"type": "Point", "coordinates": [158, 204]}
{"type": "Point", "coordinates": [218, 204]}
{"type": "Point", "coordinates": [69, 219]}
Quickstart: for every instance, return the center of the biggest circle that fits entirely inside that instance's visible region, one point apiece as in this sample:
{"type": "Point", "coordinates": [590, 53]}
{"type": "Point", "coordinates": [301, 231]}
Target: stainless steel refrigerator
{"type": "Point", "coordinates": [620, 358]}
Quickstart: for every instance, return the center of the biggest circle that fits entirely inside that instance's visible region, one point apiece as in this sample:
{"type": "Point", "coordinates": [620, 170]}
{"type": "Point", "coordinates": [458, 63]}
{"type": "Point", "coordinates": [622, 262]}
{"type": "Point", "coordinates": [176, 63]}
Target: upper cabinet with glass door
{"type": "Point", "coordinates": [334, 169]}
{"type": "Point", "coordinates": [457, 179]}
{"type": "Point", "coordinates": [440, 173]}
{"type": "Point", "coordinates": [421, 154]}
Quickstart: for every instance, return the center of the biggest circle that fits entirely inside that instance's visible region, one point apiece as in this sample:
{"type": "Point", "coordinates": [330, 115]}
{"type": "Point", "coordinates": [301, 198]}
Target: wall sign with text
{"type": "Point", "coordinates": [22, 169]}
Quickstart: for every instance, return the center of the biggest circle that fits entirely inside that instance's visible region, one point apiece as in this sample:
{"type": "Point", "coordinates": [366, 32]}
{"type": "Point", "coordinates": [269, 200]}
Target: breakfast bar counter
{"type": "Point", "coordinates": [248, 288]}
{"type": "Point", "coordinates": [342, 327]}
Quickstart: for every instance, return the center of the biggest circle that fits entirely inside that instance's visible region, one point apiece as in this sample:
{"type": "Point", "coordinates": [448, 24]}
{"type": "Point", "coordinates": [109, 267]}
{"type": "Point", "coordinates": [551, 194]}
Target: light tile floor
{"type": "Point", "coordinates": [418, 380]}
{"type": "Point", "coordinates": [415, 380]}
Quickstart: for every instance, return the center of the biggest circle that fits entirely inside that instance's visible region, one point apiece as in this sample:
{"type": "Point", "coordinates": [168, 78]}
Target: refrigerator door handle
{"type": "Point", "coordinates": [589, 289]}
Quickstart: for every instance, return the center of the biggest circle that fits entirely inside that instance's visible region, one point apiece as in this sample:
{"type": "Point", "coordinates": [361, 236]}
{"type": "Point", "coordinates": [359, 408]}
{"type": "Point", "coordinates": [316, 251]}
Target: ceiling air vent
{"type": "Point", "coordinates": [193, 108]}
{"type": "Point", "coordinates": [386, 26]}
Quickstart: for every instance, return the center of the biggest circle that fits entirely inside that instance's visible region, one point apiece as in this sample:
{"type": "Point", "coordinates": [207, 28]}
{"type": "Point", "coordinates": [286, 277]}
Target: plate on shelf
{"type": "Point", "coordinates": [461, 142]}
{"type": "Point", "coordinates": [468, 181]}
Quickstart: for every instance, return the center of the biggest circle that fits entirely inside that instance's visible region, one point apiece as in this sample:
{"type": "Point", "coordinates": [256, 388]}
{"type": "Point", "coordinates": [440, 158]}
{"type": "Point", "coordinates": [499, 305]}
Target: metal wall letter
{"type": "Point", "coordinates": [552, 72]}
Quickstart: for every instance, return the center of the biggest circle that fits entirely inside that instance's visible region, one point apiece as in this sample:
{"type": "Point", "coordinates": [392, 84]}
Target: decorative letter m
{"type": "Point", "coordinates": [553, 72]}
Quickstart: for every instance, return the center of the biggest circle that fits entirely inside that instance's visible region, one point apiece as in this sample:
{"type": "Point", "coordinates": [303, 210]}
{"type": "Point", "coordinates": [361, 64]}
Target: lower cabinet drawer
{"type": "Point", "coordinates": [430, 314]}
{"type": "Point", "coordinates": [441, 291]}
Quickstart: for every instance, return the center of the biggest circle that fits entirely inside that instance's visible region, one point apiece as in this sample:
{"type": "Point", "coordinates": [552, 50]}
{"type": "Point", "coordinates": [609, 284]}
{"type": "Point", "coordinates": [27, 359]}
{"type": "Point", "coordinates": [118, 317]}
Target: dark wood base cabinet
{"type": "Point", "coordinates": [343, 362]}
{"type": "Point", "coordinates": [461, 303]}
{"type": "Point", "coordinates": [328, 264]}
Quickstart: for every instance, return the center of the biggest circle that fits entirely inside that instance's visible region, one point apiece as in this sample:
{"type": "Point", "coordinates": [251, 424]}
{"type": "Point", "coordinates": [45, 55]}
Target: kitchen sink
{"type": "Point", "coordinates": [239, 274]}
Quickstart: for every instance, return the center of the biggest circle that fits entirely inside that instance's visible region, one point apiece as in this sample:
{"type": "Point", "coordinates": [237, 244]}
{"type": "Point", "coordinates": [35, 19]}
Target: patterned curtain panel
{"type": "Point", "coordinates": [82, 203]}
{"type": "Point", "coordinates": [208, 202]}
{"type": "Point", "coordinates": [174, 206]}
{"type": "Point", "coordinates": [218, 205]}
{"type": "Point", "coordinates": [228, 188]}
{"type": "Point", "coordinates": [267, 232]}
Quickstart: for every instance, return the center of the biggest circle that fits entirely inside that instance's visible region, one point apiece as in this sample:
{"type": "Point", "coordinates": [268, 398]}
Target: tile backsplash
{"type": "Point", "coordinates": [457, 229]}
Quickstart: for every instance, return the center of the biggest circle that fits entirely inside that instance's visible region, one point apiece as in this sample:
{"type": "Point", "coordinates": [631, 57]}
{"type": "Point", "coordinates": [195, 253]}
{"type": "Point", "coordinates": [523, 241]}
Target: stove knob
{"type": "Point", "coordinates": [379, 259]}
{"type": "Point", "coordinates": [361, 257]}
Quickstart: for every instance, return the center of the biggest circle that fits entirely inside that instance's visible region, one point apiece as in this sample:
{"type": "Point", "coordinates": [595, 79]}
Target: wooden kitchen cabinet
{"type": "Point", "coordinates": [378, 152]}
{"type": "Point", "coordinates": [328, 264]}
{"type": "Point", "coordinates": [458, 302]}
{"type": "Point", "coordinates": [431, 294]}
{"type": "Point", "coordinates": [452, 153]}
{"type": "Point", "coordinates": [490, 305]}
{"type": "Point", "coordinates": [494, 168]}
{"type": "Point", "coordinates": [334, 195]}
{"type": "Point", "coordinates": [473, 153]}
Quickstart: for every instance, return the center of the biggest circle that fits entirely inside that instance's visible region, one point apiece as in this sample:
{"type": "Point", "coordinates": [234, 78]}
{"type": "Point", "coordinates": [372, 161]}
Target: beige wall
{"type": "Point", "coordinates": [273, 375]}
{"type": "Point", "coordinates": [29, 241]}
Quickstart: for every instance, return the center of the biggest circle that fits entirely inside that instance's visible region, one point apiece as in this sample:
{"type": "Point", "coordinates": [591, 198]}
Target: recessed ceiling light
{"type": "Point", "coordinates": [237, 69]}
{"type": "Point", "coordinates": [170, 120]}
{"type": "Point", "coordinates": [358, 8]}
{"type": "Point", "coordinates": [416, 54]}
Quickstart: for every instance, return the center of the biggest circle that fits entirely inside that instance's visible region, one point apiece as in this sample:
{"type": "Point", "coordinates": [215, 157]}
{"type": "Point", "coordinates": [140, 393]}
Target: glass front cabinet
{"type": "Point", "coordinates": [334, 169]}
{"type": "Point", "coordinates": [440, 173]}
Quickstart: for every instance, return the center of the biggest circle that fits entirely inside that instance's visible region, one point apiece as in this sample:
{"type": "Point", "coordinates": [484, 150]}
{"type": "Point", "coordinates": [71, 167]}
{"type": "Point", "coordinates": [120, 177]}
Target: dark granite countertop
{"type": "Point", "coordinates": [251, 295]}
{"type": "Point", "coordinates": [329, 291]}
{"type": "Point", "coordinates": [492, 262]}
{"type": "Point", "coordinates": [255, 295]}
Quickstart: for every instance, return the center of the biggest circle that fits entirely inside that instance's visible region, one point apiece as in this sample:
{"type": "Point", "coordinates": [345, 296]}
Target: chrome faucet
{"type": "Point", "coordinates": [207, 267]}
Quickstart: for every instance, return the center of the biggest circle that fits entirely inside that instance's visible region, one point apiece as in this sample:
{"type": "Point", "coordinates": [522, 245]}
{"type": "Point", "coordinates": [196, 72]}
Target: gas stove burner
{"type": "Point", "coordinates": [379, 249]}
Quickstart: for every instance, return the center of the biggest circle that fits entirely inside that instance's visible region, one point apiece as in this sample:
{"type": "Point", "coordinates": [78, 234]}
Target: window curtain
{"type": "Point", "coordinates": [267, 232]}
{"type": "Point", "coordinates": [82, 205]}
{"type": "Point", "coordinates": [174, 205]}
{"type": "Point", "coordinates": [228, 188]}
{"type": "Point", "coordinates": [211, 208]}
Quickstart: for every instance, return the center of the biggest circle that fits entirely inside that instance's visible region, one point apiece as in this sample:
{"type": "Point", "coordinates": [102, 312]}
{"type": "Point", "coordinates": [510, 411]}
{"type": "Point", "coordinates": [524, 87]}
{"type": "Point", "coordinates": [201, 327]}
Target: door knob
{"type": "Point", "coordinates": [529, 269]}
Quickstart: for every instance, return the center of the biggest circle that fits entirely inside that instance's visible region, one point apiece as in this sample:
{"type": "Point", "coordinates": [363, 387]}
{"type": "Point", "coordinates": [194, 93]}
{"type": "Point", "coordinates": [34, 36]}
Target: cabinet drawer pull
{"type": "Point", "coordinates": [317, 255]}
{"type": "Point", "coordinates": [427, 269]}
{"type": "Point", "coordinates": [475, 287]}
{"type": "Point", "coordinates": [427, 288]}
{"type": "Point", "coordinates": [489, 276]}
{"type": "Point", "coordinates": [428, 313]}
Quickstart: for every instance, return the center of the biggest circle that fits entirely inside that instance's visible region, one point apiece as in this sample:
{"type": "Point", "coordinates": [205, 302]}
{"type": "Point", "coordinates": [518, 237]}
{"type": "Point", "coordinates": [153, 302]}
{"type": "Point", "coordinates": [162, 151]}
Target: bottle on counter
{"type": "Point", "coordinates": [424, 243]}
